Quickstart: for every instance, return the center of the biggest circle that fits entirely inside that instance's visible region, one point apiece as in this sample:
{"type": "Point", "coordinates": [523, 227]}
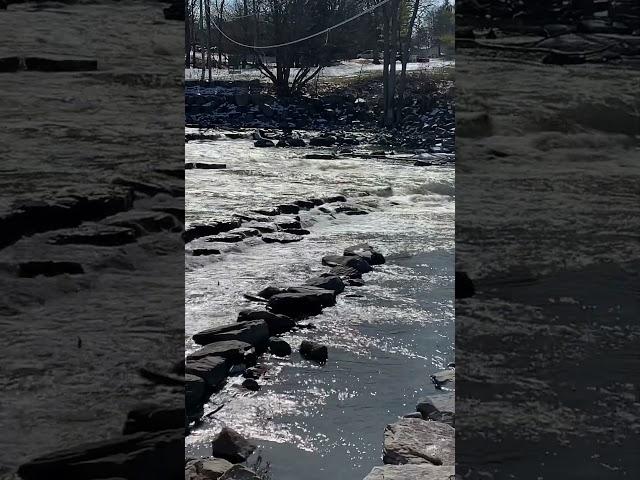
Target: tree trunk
{"type": "Point", "coordinates": [406, 53]}
{"type": "Point", "coordinates": [208, 14]}
{"type": "Point", "coordinates": [202, 42]}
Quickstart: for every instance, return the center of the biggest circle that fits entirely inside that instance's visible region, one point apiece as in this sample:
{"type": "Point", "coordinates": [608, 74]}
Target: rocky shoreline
{"type": "Point", "coordinates": [427, 122]}
{"type": "Point", "coordinates": [421, 445]}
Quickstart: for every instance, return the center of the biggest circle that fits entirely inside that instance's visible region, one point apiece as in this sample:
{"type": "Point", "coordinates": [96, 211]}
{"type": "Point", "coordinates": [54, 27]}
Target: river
{"type": "Point", "coordinates": [384, 338]}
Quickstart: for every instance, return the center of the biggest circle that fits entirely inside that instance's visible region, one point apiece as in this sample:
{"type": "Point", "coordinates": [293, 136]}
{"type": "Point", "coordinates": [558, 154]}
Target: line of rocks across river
{"type": "Point", "coordinates": [234, 349]}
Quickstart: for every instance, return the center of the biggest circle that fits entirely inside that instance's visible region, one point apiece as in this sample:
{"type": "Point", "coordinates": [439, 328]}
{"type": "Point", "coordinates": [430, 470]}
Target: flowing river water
{"type": "Point", "coordinates": [384, 338]}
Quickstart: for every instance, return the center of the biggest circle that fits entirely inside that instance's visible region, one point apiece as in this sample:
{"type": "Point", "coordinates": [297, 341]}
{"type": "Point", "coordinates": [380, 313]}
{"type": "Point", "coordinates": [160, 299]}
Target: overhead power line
{"type": "Point", "coordinates": [303, 39]}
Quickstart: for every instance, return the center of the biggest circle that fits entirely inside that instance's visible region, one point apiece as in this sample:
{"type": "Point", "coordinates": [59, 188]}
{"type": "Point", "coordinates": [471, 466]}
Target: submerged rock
{"type": "Point", "coordinates": [314, 351]}
{"type": "Point", "coordinates": [263, 143]}
{"type": "Point", "coordinates": [232, 446]}
{"type": "Point", "coordinates": [410, 440]}
{"type": "Point", "coordinates": [296, 304]}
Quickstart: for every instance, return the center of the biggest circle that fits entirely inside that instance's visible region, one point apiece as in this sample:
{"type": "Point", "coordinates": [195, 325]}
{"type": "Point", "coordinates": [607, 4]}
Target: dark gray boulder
{"type": "Point", "coordinates": [232, 446]}
{"type": "Point", "coordinates": [238, 472]}
{"type": "Point", "coordinates": [213, 370]}
{"type": "Point", "coordinates": [314, 351]}
{"type": "Point", "coordinates": [327, 297]}
{"type": "Point", "coordinates": [367, 252]}
{"type": "Point", "coordinates": [270, 291]}
{"type": "Point", "coordinates": [234, 351]}
{"type": "Point", "coordinates": [94, 234]}
{"type": "Point", "coordinates": [194, 392]}
{"type": "Point", "coordinates": [279, 347]}
{"type": "Point", "coordinates": [251, 384]}
{"type": "Point", "coordinates": [355, 262]}
{"type": "Point", "coordinates": [277, 323]}
{"type": "Point", "coordinates": [327, 282]}
{"type": "Point", "coordinates": [444, 378]}
{"type": "Point", "coordinates": [296, 305]}
{"type": "Point", "coordinates": [264, 143]}
{"type": "Point", "coordinates": [346, 272]}
{"type": "Point", "coordinates": [254, 332]}
{"type": "Point", "coordinates": [204, 252]}
{"type": "Point", "coordinates": [289, 208]}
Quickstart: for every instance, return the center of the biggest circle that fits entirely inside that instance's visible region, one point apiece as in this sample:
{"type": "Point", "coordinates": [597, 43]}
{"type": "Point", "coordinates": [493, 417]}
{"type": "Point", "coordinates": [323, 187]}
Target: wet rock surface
{"type": "Point", "coordinates": [411, 472]}
{"type": "Point", "coordinates": [411, 440]}
{"type": "Point", "coordinates": [232, 446]}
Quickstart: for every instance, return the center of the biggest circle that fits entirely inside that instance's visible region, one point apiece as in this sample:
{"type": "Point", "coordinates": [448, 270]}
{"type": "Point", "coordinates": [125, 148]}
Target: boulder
{"type": "Point", "coordinates": [327, 282]}
{"type": "Point", "coordinates": [254, 332]}
{"type": "Point", "coordinates": [140, 456]}
{"type": "Point", "coordinates": [231, 446]}
{"type": "Point", "coordinates": [327, 141]}
{"type": "Point", "coordinates": [366, 252]}
{"type": "Point", "coordinates": [440, 408]}
{"type": "Point", "coordinates": [277, 323]}
{"type": "Point", "coordinates": [194, 392]}
{"type": "Point", "coordinates": [296, 231]}
{"type": "Point", "coordinates": [355, 262]}
{"type": "Point", "coordinates": [234, 351]}
{"type": "Point", "coordinates": [296, 305]}
{"type": "Point", "coordinates": [327, 297]}
{"type": "Point", "coordinates": [281, 238]}
{"type": "Point", "coordinates": [261, 227]}
{"type": "Point", "coordinates": [304, 204]}
{"type": "Point", "coordinates": [238, 472]}
{"type": "Point", "coordinates": [313, 351]}
{"type": "Point", "coordinates": [255, 372]}
{"type": "Point", "coordinates": [279, 347]}
{"type": "Point", "coordinates": [245, 232]}
{"type": "Point", "coordinates": [264, 143]}
{"type": "Point", "coordinates": [270, 291]}
{"type": "Point", "coordinates": [296, 142]}
{"type": "Point", "coordinates": [251, 384]}
{"type": "Point", "coordinates": [289, 208]}
{"type": "Point", "coordinates": [346, 272]}
{"type": "Point", "coordinates": [208, 469]}
{"type": "Point", "coordinates": [206, 229]}
{"type": "Point", "coordinates": [411, 472]}
{"type": "Point", "coordinates": [154, 418]}
{"type": "Point", "coordinates": [213, 370]}
{"type": "Point", "coordinates": [287, 224]}
{"type": "Point", "coordinates": [411, 440]}
{"type": "Point", "coordinates": [334, 199]}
